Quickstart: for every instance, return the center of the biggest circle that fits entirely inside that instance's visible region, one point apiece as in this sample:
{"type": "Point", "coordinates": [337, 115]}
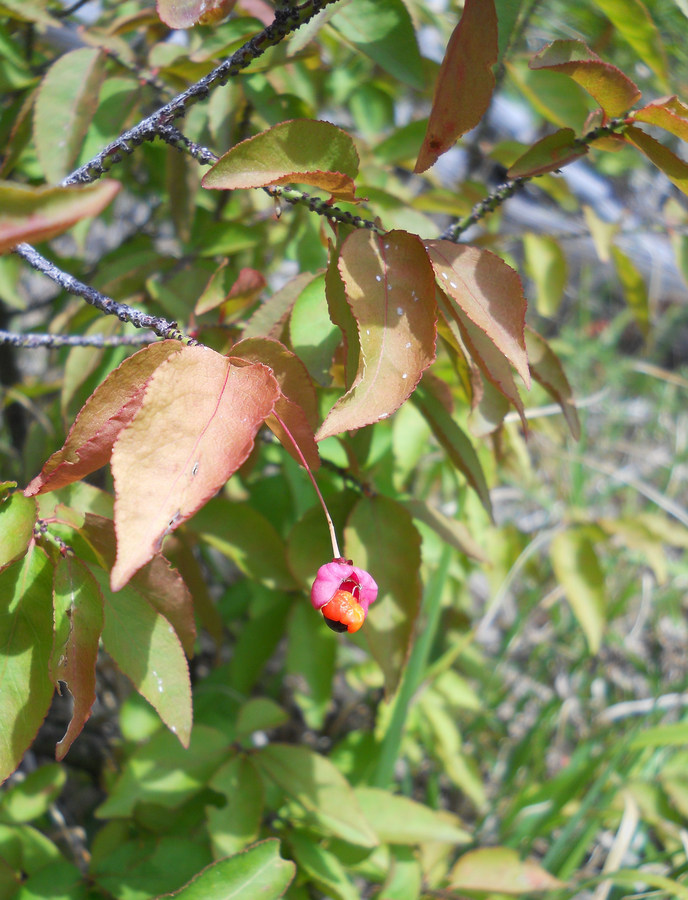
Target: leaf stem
{"type": "Point", "coordinates": [328, 517]}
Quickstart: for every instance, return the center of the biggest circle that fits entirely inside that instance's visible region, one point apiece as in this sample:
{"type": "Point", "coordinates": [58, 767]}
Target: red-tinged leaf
{"type": "Point", "coordinates": [186, 13]}
{"type": "Point", "coordinates": [157, 581]}
{"type": "Point", "coordinates": [106, 412]}
{"type": "Point", "coordinates": [66, 103]}
{"type": "Point", "coordinates": [490, 294]}
{"type": "Point", "coordinates": [547, 371]}
{"type": "Point", "coordinates": [195, 427]}
{"type": "Point", "coordinates": [17, 518]}
{"type": "Point", "coordinates": [499, 870]}
{"type": "Point", "coordinates": [549, 154]}
{"type": "Point", "coordinates": [78, 612]}
{"type": "Point", "coordinates": [381, 538]}
{"type": "Point", "coordinates": [465, 81]}
{"type": "Point", "coordinates": [457, 446]}
{"type": "Point", "coordinates": [26, 612]}
{"type": "Point", "coordinates": [390, 288]}
{"type": "Point", "coordinates": [246, 289]}
{"type": "Point", "coordinates": [675, 169]}
{"type": "Point", "coordinates": [491, 361]}
{"type": "Point", "coordinates": [305, 151]}
{"type": "Point", "coordinates": [268, 320]}
{"type": "Point", "coordinates": [606, 84]}
{"type": "Point", "coordinates": [297, 408]}
{"type": "Point", "coordinates": [145, 647]}
{"type": "Point", "coordinates": [37, 214]}
{"type": "Point", "coordinates": [668, 113]}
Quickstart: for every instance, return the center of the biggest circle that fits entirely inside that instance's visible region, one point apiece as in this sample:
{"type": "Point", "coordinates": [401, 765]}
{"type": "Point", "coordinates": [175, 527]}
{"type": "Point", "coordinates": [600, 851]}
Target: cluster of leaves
{"type": "Point", "coordinates": [380, 312]}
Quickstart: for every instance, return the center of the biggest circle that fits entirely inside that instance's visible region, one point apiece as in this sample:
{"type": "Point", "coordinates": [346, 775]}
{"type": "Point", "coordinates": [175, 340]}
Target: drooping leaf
{"type": "Point", "coordinates": [634, 288]}
{"type": "Point", "coordinates": [17, 518]}
{"type": "Point", "coordinates": [465, 81]}
{"type": "Point", "coordinates": [342, 316]}
{"type": "Point", "coordinates": [109, 409]}
{"type": "Point", "coordinates": [634, 24]}
{"type": "Point", "coordinates": [297, 407]}
{"type": "Point", "coordinates": [579, 572]}
{"type": "Point", "coordinates": [321, 866]}
{"type": "Point", "coordinates": [316, 785]}
{"type": "Point", "coordinates": [383, 30]}
{"type": "Point", "coordinates": [237, 823]}
{"type": "Point", "coordinates": [381, 538]}
{"type": "Point", "coordinates": [607, 84]}
{"type": "Point", "coordinates": [25, 685]}
{"type": "Point", "coordinates": [400, 820]}
{"type": "Point", "coordinates": [499, 870]}
{"type": "Point", "coordinates": [260, 867]}
{"type": "Point", "coordinates": [187, 13]}
{"type": "Point", "coordinates": [78, 611]}
{"type": "Point", "coordinates": [147, 650]}
{"type": "Point", "coordinates": [547, 371]}
{"type": "Point", "coordinates": [35, 214]}
{"type": "Point", "coordinates": [548, 154]}
{"type": "Point", "coordinates": [195, 427]}
{"type": "Point", "coordinates": [490, 294]}
{"type": "Point", "coordinates": [675, 169]}
{"type": "Point", "coordinates": [546, 266]}
{"type": "Point", "coordinates": [66, 102]}
{"type": "Point", "coordinates": [390, 287]}
{"type": "Point", "coordinates": [305, 151]}
{"type": "Point", "coordinates": [670, 114]}
{"type": "Point", "coordinates": [454, 441]}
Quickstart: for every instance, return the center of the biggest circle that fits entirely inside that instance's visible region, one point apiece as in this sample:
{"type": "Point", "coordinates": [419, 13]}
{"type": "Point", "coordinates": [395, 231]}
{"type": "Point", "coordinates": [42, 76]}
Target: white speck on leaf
{"type": "Point", "coordinates": [452, 284]}
{"type": "Point", "coordinates": [444, 275]}
{"type": "Point", "coordinates": [408, 344]}
{"type": "Point", "coordinates": [404, 375]}
{"type": "Point", "coordinates": [378, 278]}
{"type": "Point", "coordinates": [400, 311]}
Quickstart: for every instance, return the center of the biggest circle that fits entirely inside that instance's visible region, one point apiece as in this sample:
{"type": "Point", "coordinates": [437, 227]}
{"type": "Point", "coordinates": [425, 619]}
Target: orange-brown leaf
{"type": "Point", "coordinates": [390, 288]}
{"type": "Point", "coordinates": [489, 292]}
{"type": "Point", "coordinates": [668, 113]}
{"type": "Point", "coordinates": [106, 412]}
{"type": "Point", "coordinates": [196, 426]}
{"type": "Point", "coordinates": [465, 81]}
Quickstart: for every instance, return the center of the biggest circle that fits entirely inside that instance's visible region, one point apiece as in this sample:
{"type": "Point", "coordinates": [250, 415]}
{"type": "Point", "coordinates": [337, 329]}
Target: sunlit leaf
{"type": "Point", "coordinates": [546, 265]}
{"type": "Point", "coordinates": [316, 785]}
{"type": "Point", "coordinates": [489, 292]}
{"type": "Point", "coordinates": [579, 572]}
{"type": "Point", "coordinates": [66, 102]}
{"type": "Point", "coordinates": [195, 427]}
{"type": "Point", "coordinates": [465, 81]}
{"type": "Point", "coordinates": [390, 288]}
{"type": "Point", "coordinates": [381, 538]}
{"type": "Point", "coordinates": [634, 288]}
{"type": "Point", "coordinates": [321, 866]}
{"type": "Point", "coordinates": [17, 518]}
{"type": "Point", "coordinates": [259, 866]}
{"type": "Point", "coordinates": [305, 151]}
{"type": "Point", "coordinates": [400, 820]}
{"type": "Point", "coordinates": [237, 823]}
{"type": "Point", "coordinates": [607, 84]}
{"type": "Point", "coordinates": [109, 409]}
{"type": "Point", "coordinates": [78, 611]}
{"type": "Point", "coordinates": [499, 869]}
{"type": "Point", "coordinates": [675, 169]}
{"type": "Point", "coordinates": [548, 154]}
{"type": "Point", "coordinates": [32, 797]}
{"type": "Point", "coordinates": [25, 685]}
{"type": "Point", "coordinates": [36, 214]}
{"type": "Point", "coordinates": [547, 371]}
{"type": "Point", "coordinates": [634, 24]}
{"type": "Point", "coordinates": [670, 114]}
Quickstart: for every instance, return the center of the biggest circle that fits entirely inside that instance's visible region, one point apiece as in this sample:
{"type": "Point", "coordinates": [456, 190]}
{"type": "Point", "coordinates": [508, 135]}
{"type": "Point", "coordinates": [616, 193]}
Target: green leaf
{"type": "Point", "coordinates": [675, 169]}
{"type": "Point", "coordinates": [607, 84]}
{"type": "Point", "coordinates": [578, 571]}
{"type": "Point", "coordinates": [499, 869]}
{"type": "Point", "coordinates": [78, 612]}
{"type": "Point", "coordinates": [400, 820]}
{"type": "Point", "coordinates": [305, 151]}
{"type": "Point", "coordinates": [381, 538]}
{"type": "Point", "coordinates": [258, 872]}
{"type": "Point", "coordinates": [633, 23]}
{"type": "Point", "coordinates": [390, 288]}
{"type": "Point", "coordinates": [672, 735]}
{"type": "Point", "coordinates": [17, 518]}
{"type": "Point", "coordinates": [465, 81]}
{"type": "Point", "coordinates": [546, 265]}
{"type": "Point", "coordinates": [38, 213]}
{"type": "Point", "coordinates": [454, 441]}
{"type": "Point", "coordinates": [233, 826]}
{"type": "Point", "coordinates": [322, 867]}
{"type": "Point", "coordinates": [147, 650]}
{"type": "Point", "coordinates": [632, 878]}
{"type": "Point", "coordinates": [29, 799]}
{"type": "Point", "coordinates": [548, 154]}
{"type": "Point", "coordinates": [311, 662]}
{"type": "Point", "coordinates": [313, 335]}
{"type": "Point", "coordinates": [165, 773]}
{"type": "Point", "coordinates": [547, 371]}
{"type": "Point", "coordinates": [316, 785]}
{"type": "Point", "coordinates": [383, 30]}
{"type": "Point", "coordinates": [450, 530]}
{"type": "Point", "coordinates": [25, 686]}
{"type": "Point", "coordinates": [634, 289]}
{"type": "Point", "coordinates": [59, 880]}
{"type": "Point", "coordinates": [67, 100]}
